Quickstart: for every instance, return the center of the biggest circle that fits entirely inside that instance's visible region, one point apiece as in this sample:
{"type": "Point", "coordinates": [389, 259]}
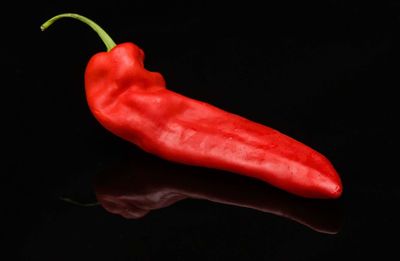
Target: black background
{"type": "Point", "coordinates": [324, 72]}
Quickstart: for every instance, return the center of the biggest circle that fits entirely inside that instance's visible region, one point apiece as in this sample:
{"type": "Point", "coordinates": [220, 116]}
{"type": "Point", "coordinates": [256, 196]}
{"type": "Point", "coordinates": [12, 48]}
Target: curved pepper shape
{"type": "Point", "coordinates": [133, 188]}
{"type": "Point", "coordinates": [134, 104]}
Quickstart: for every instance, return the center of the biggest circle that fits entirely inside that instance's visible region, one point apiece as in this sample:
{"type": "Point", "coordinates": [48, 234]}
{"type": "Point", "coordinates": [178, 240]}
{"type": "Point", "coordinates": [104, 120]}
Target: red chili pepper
{"type": "Point", "coordinates": [134, 104]}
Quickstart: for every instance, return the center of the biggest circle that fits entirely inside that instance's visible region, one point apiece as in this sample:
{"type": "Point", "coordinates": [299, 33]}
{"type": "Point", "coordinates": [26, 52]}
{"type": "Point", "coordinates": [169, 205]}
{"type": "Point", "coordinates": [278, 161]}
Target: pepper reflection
{"type": "Point", "coordinates": [134, 188]}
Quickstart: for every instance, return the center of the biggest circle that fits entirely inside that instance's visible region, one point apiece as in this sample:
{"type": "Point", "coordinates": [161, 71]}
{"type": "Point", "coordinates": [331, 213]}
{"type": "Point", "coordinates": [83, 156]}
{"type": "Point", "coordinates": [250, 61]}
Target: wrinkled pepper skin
{"type": "Point", "coordinates": [134, 104]}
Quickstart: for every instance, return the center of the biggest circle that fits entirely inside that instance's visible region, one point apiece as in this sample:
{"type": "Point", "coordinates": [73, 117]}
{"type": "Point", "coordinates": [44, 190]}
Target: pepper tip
{"type": "Point", "coordinates": [337, 192]}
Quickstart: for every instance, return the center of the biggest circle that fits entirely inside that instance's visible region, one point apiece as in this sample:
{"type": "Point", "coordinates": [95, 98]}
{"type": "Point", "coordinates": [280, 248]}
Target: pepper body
{"type": "Point", "coordinates": [134, 104]}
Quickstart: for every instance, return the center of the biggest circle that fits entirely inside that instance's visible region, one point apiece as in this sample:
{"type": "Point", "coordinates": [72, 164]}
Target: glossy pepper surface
{"type": "Point", "coordinates": [135, 104]}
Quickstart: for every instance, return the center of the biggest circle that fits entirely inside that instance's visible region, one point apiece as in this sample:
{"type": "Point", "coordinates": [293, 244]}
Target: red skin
{"type": "Point", "coordinates": [134, 104]}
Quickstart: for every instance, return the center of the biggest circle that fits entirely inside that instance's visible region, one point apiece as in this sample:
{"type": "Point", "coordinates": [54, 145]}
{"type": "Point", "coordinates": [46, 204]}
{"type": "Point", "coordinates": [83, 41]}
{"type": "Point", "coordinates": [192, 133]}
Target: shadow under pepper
{"type": "Point", "coordinates": [133, 188]}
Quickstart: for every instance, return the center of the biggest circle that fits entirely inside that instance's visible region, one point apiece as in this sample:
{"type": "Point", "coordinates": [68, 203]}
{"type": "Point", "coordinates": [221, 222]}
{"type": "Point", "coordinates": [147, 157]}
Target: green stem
{"type": "Point", "coordinates": [103, 35]}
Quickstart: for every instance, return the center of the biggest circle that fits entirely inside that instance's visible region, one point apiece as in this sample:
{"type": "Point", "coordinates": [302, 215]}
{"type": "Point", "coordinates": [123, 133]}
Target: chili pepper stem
{"type": "Point", "coordinates": [109, 43]}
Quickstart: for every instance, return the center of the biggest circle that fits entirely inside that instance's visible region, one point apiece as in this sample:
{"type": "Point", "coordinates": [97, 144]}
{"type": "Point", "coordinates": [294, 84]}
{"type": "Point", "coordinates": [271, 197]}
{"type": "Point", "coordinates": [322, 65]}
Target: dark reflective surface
{"type": "Point", "coordinates": [325, 73]}
{"type": "Point", "coordinates": [134, 188]}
